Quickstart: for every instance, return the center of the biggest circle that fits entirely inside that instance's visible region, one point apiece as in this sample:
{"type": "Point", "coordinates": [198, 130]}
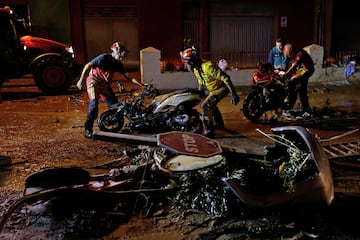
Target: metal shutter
{"type": "Point", "coordinates": [106, 24]}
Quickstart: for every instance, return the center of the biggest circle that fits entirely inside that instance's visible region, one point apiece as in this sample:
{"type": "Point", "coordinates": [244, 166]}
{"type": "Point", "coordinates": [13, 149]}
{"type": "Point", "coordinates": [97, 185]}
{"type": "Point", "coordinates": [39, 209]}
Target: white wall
{"type": "Point", "coordinates": [150, 72]}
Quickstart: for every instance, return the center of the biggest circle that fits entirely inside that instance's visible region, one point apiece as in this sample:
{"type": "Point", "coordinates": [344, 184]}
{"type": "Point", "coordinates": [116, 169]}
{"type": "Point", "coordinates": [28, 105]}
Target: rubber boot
{"type": "Point", "coordinates": [218, 119]}
{"type": "Point", "coordinates": [91, 116]}
{"type": "Point", "coordinates": [208, 128]}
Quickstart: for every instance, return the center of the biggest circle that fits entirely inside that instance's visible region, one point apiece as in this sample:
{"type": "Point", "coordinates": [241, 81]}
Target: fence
{"type": "Point", "coordinates": [344, 56]}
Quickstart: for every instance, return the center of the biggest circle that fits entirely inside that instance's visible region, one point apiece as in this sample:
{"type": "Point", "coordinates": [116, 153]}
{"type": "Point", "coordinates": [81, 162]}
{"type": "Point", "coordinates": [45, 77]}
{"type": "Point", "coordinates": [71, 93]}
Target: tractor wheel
{"type": "Point", "coordinates": [52, 76]}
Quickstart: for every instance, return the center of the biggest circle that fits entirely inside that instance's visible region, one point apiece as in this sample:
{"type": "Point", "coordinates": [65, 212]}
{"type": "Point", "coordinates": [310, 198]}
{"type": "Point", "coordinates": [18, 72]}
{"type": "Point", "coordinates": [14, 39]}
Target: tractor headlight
{"type": "Point", "coordinates": [70, 50]}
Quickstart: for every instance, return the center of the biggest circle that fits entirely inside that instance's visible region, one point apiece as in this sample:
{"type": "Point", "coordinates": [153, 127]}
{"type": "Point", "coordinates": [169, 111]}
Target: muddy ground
{"type": "Point", "coordinates": [38, 131]}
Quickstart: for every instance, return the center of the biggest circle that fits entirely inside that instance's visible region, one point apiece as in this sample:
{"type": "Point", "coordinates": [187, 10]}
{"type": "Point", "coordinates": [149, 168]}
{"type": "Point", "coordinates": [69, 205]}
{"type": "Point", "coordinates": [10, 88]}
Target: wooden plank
{"type": "Point", "coordinates": [349, 150]}
{"type": "Point", "coordinates": [337, 150]}
{"type": "Point", "coordinates": [355, 146]}
{"type": "Point", "coordinates": [330, 152]}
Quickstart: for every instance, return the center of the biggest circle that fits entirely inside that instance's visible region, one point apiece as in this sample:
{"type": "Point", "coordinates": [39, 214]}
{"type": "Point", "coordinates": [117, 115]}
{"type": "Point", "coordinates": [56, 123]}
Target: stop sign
{"type": "Point", "coordinates": [189, 144]}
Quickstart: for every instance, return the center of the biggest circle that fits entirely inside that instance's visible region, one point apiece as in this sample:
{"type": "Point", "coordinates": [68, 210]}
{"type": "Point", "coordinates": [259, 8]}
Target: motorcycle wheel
{"type": "Point", "coordinates": [253, 107]}
{"type": "Point", "coordinates": [111, 121]}
{"type": "Point", "coordinates": [193, 124]}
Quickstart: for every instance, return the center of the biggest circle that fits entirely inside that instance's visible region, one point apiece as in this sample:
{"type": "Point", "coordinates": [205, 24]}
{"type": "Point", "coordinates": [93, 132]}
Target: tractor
{"type": "Point", "coordinates": [52, 63]}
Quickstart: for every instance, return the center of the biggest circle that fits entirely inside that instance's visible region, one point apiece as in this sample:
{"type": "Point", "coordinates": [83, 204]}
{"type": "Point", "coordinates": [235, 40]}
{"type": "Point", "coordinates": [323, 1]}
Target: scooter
{"type": "Point", "coordinates": [150, 112]}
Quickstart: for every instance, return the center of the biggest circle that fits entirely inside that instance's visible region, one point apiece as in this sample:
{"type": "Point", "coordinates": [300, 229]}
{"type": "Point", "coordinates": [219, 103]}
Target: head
{"type": "Point", "coordinates": [190, 57]}
{"type": "Point", "coordinates": [118, 50]}
{"type": "Point", "coordinates": [223, 64]}
{"type": "Point", "coordinates": [289, 50]}
{"type": "Point", "coordinates": [264, 68]}
{"type": "Point", "coordinates": [279, 44]}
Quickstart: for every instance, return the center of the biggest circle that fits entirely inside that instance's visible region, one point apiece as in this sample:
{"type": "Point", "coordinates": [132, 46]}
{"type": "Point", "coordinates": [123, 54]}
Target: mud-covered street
{"type": "Point", "coordinates": [38, 131]}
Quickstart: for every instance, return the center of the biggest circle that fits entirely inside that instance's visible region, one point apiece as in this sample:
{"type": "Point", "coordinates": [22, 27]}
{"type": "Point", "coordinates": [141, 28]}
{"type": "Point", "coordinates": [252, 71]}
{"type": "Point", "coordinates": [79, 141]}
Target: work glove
{"type": "Point", "coordinates": [281, 73]}
{"type": "Point", "coordinates": [234, 99]}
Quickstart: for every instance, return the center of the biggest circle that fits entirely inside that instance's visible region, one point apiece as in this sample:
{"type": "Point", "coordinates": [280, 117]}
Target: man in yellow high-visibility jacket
{"type": "Point", "coordinates": [210, 77]}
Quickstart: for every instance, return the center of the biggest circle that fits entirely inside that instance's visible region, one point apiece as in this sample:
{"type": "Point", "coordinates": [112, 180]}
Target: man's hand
{"type": "Point", "coordinates": [234, 99]}
{"type": "Point", "coordinates": [134, 80]}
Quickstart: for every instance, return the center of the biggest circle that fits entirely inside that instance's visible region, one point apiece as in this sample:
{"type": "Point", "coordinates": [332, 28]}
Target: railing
{"type": "Point", "coordinates": [342, 57]}
{"type": "Point", "coordinates": [239, 60]}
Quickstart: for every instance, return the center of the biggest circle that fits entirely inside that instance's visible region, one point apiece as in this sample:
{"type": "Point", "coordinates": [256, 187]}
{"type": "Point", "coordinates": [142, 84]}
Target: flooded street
{"type": "Point", "coordinates": [38, 131]}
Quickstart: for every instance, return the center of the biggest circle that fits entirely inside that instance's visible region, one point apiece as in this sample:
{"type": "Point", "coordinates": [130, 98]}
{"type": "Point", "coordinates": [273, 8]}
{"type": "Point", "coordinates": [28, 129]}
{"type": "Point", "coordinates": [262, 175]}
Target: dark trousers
{"type": "Point", "coordinates": [93, 110]}
{"type": "Point", "coordinates": [295, 86]}
{"type": "Point", "coordinates": [210, 109]}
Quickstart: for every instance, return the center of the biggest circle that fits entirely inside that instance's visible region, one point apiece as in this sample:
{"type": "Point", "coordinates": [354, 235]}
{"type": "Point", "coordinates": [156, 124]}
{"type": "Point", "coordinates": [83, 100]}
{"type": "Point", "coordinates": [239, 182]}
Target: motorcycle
{"type": "Point", "coordinates": [267, 93]}
{"type": "Point", "coordinates": [150, 112]}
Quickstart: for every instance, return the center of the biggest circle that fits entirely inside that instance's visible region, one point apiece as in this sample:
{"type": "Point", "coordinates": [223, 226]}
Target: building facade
{"type": "Point", "coordinates": [242, 31]}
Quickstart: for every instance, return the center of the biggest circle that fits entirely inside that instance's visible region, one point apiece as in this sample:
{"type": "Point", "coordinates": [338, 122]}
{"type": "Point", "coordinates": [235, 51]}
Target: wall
{"type": "Point", "coordinates": [300, 21]}
{"type": "Point", "coordinates": [49, 20]}
{"type": "Point", "coordinates": [160, 26]}
{"type": "Point", "coordinates": [150, 72]}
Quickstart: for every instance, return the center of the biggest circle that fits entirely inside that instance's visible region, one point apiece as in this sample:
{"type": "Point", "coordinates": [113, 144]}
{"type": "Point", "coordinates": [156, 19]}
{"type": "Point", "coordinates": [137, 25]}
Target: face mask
{"type": "Point", "coordinates": [116, 56]}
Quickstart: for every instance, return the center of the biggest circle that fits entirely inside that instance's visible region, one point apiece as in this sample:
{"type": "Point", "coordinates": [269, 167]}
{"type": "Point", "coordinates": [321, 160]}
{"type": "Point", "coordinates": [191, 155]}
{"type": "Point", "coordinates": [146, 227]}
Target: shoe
{"type": "Point", "coordinates": [304, 116]}
{"type": "Point", "coordinates": [287, 116]}
{"type": "Point", "coordinates": [88, 133]}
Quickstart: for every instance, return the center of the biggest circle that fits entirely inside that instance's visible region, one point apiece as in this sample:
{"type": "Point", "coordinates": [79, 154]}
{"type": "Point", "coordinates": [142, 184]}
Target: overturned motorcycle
{"type": "Point", "coordinates": [197, 172]}
{"type": "Point", "coordinates": [294, 169]}
{"type": "Point", "coordinates": [149, 112]}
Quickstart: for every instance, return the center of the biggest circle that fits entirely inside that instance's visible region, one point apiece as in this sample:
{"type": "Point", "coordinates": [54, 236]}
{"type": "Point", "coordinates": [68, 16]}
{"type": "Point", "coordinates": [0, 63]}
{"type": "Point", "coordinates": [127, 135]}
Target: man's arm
{"type": "Point", "coordinates": [234, 96]}
{"type": "Point", "coordinates": [226, 79]}
{"type": "Point", "coordinates": [132, 79]}
{"type": "Point", "coordinates": [271, 57]}
{"type": "Point", "coordinates": [84, 74]}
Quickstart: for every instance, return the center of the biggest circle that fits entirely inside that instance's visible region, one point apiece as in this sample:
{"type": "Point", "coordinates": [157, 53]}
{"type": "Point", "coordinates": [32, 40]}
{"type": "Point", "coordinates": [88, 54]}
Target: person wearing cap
{"type": "Point", "coordinates": [98, 73]}
{"type": "Point", "coordinates": [276, 56]}
{"type": "Point", "coordinates": [211, 78]}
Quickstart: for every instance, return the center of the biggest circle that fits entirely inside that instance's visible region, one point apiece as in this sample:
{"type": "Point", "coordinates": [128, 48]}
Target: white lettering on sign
{"type": "Point", "coordinates": [189, 143]}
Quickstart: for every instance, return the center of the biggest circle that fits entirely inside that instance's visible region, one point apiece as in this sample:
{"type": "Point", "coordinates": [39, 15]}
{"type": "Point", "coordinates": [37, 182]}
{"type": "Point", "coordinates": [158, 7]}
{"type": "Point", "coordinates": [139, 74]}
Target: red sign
{"type": "Point", "coordinates": [189, 144]}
